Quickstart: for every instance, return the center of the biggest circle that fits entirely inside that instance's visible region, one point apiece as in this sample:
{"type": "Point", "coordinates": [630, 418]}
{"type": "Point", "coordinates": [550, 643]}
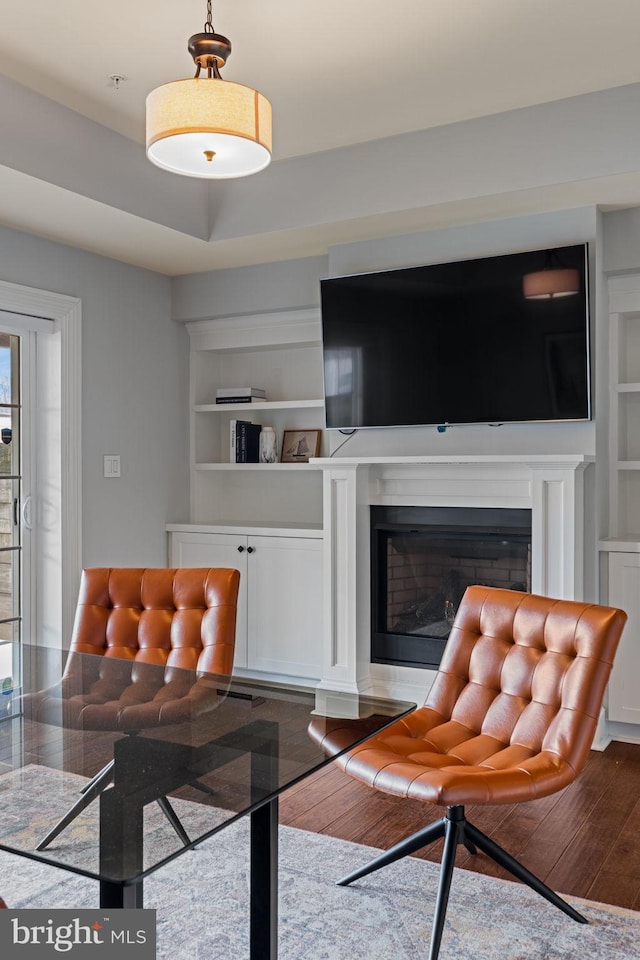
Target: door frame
{"type": "Point", "coordinates": [66, 312]}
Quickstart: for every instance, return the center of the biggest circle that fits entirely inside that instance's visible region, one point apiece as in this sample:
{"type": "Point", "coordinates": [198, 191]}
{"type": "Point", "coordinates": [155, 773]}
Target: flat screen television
{"type": "Point", "coordinates": [494, 340]}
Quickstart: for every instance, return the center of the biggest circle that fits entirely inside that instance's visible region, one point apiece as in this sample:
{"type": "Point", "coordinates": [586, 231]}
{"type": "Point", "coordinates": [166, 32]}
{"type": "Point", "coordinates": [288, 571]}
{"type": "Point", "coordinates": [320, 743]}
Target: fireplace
{"type": "Point", "coordinates": [422, 560]}
{"type": "Point", "coordinates": [554, 494]}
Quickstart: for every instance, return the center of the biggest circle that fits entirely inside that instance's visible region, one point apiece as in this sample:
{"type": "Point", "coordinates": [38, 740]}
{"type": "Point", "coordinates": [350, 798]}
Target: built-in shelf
{"type": "Point", "coordinates": [624, 410]}
{"type": "Point", "coordinates": [281, 354]}
{"type": "Point", "coordinates": [627, 544]}
{"type": "Point", "coordinates": [260, 528]}
{"type": "Point", "coordinates": [269, 467]}
{"type": "Point", "coordinates": [258, 405]}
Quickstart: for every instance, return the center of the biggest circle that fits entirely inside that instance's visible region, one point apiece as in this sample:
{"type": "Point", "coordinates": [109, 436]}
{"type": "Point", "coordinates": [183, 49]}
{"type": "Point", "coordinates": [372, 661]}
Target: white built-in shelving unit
{"type": "Point", "coordinates": [621, 550]}
{"type": "Point", "coordinates": [624, 424]}
{"type": "Point", "coordinates": [281, 353]}
{"type": "Point", "coordinates": [263, 519]}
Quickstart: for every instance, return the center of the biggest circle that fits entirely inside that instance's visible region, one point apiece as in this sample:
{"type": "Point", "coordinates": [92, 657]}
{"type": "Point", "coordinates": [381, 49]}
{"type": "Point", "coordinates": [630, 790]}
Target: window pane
{"type": "Point", "coordinates": [8, 356]}
{"type": "Point", "coordinates": [9, 566]}
{"type": "Point", "coordinates": [9, 680]}
{"type": "Point", "coordinates": [8, 530]}
{"type": "Point", "coordinates": [9, 631]}
{"type": "Point", "coordinates": [9, 403]}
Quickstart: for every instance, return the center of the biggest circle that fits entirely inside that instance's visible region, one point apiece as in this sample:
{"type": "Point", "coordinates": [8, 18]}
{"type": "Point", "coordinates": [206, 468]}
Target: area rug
{"type": "Point", "coordinates": [201, 899]}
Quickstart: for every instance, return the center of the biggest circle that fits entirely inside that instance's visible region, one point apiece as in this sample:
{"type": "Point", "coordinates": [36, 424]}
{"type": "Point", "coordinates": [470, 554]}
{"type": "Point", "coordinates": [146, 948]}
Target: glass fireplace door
{"type": "Point", "coordinates": [422, 562]}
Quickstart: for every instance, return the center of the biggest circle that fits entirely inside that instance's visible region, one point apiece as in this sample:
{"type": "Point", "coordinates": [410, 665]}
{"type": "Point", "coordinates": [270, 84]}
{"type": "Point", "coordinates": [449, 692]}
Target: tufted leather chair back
{"type": "Point", "coordinates": [512, 711]}
{"type": "Point", "coordinates": [171, 617]}
{"type": "Point", "coordinates": [523, 675]}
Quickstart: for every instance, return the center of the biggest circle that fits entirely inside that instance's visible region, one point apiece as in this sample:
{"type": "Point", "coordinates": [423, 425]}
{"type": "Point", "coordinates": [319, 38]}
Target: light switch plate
{"type": "Point", "coordinates": [111, 465]}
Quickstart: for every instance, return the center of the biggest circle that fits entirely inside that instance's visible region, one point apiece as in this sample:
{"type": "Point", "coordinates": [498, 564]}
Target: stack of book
{"type": "Point", "coordinates": [244, 441]}
{"type": "Point", "coordinates": [240, 394]}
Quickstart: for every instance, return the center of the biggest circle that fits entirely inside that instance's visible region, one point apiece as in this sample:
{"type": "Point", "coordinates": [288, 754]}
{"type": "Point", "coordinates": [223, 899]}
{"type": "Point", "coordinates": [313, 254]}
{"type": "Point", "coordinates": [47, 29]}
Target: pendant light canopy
{"type": "Point", "coordinates": [553, 281]}
{"type": "Point", "coordinates": [208, 127]}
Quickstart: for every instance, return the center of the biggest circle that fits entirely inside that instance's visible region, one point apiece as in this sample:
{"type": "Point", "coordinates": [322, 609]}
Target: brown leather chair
{"type": "Point", "coordinates": [510, 717]}
{"type": "Point", "coordinates": [173, 618]}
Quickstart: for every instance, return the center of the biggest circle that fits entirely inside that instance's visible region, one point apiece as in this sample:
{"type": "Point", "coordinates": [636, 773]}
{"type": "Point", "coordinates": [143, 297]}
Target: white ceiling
{"type": "Point", "coordinates": [337, 72]}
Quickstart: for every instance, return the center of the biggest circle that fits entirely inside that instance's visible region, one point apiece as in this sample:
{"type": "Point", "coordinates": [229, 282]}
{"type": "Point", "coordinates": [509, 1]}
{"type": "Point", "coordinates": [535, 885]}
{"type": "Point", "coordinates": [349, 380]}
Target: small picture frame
{"type": "Point", "coordinates": [299, 445]}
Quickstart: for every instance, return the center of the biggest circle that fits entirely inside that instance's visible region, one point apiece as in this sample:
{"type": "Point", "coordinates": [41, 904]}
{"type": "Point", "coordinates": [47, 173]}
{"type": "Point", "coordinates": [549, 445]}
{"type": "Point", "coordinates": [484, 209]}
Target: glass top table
{"type": "Point", "coordinates": [111, 768]}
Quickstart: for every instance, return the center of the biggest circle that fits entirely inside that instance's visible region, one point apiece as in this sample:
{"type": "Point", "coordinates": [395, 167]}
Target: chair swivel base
{"type": "Point", "coordinates": [456, 829]}
{"type": "Point", "coordinates": [93, 789]}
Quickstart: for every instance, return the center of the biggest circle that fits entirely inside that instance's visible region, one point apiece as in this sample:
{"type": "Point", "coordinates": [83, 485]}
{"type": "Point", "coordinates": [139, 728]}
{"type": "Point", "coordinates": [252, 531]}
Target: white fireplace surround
{"type": "Point", "coordinates": [552, 487]}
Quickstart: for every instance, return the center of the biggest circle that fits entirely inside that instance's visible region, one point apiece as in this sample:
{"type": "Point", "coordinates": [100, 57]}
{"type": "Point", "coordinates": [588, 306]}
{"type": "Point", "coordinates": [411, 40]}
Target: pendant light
{"type": "Point", "coordinates": [553, 281]}
{"type": "Point", "coordinates": [206, 126]}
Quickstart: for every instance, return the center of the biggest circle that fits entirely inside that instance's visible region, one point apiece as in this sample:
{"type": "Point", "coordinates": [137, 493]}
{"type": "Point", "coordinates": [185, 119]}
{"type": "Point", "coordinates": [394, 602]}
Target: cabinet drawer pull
{"type": "Point", "coordinates": [240, 549]}
{"type": "Point", "coordinates": [251, 550]}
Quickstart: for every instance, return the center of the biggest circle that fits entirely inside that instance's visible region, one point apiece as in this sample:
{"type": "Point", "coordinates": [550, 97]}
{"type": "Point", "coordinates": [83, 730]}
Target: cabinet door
{"type": "Point", "coordinates": [217, 550]}
{"type": "Point", "coordinates": [624, 592]}
{"type": "Point", "coordinates": [285, 605]}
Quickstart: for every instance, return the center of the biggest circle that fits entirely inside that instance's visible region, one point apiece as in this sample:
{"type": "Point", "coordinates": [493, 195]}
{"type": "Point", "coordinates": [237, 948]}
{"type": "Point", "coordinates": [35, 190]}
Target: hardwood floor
{"type": "Point", "coordinates": [583, 841]}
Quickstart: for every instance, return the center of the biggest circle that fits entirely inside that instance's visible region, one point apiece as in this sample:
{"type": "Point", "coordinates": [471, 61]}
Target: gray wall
{"type": "Point", "coordinates": [135, 395]}
{"type": "Point", "coordinates": [262, 288]}
{"type": "Point", "coordinates": [621, 241]}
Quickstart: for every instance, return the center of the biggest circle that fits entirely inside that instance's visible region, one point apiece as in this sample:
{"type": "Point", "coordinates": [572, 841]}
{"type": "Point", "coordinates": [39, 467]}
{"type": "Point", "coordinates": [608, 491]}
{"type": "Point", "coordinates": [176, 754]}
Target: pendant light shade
{"type": "Point", "coordinates": [208, 127]}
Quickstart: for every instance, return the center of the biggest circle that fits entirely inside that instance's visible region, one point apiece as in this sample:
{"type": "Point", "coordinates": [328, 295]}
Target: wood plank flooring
{"type": "Point", "coordinates": [583, 841]}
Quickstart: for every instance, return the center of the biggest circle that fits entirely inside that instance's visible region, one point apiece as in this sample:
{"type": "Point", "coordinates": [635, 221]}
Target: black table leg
{"type": "Point", "coordinates": [121, 845]}
{"type": "Point", "coordinates": [264, 882]}
{"type": "Point", "coordinates": [263, 923]}
{"type": "Point", "coordinates": [119, 896]}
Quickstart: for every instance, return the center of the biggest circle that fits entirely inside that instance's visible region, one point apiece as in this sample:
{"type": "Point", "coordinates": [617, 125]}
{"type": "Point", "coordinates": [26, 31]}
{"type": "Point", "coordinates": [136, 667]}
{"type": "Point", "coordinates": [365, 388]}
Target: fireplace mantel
{"type": "Point", "coordinates": [552, 487]}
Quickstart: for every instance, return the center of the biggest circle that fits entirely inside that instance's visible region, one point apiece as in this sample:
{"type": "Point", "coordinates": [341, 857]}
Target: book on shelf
{"type": "Point", "coordinates": [233, 429]}
{"type": "Point", "coordinates": [244, 441]}
{"type": "Point", "coordinates": [248, 442]}
{"type": "Point", "coordinates": [239, 399]}
{"type": "Point", "coordinates": [240, 394]}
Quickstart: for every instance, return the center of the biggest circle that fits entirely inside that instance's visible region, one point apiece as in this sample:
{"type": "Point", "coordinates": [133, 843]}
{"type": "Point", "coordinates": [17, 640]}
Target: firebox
{"type": "Point", "coordinates": [423, 559]}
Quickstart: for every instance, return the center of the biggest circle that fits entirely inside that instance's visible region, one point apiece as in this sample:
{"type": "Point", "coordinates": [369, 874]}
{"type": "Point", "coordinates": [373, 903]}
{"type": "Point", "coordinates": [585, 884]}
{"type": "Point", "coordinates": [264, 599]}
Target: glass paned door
{"type": "Point", "coordinates": [10, 527]}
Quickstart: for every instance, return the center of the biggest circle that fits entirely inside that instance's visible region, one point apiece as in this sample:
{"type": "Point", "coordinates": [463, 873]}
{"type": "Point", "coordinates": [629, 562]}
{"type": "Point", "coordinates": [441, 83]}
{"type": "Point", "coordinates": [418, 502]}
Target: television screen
{"type": "Point", "coordinates": [496, 340]}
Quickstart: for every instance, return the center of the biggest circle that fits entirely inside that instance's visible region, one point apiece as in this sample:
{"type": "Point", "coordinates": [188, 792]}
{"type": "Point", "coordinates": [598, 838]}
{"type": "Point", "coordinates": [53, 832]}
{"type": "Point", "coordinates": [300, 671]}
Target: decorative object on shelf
{"type": "Point", "coordinates": [268, 446]}
{"type": "Point", "coordinates": [240, 394]}
{"type": "Point", "coordinates": [299, 445]}
{"type": "Point", "coordinates": [208, 127]}
{"type": "Point", "coordinates": [553, 281]}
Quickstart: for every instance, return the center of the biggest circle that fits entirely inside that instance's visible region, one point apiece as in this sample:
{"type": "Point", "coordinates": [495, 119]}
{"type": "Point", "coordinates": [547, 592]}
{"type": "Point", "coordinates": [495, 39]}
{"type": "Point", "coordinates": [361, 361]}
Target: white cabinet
{"type": "Point", "coordinates": [624, 592]}
{"type": "Point", "coordinates": [279, 626]}
{"type": "Point", "coordinates": [284, 586]}
{"type": "Point", "coordinates": [282, 354]}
